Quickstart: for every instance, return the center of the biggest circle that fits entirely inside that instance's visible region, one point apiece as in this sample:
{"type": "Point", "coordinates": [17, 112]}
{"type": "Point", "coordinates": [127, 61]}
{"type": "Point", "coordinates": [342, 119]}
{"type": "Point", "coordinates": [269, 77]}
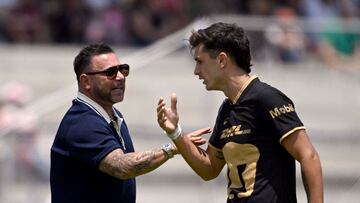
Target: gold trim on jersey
{"type": "Point", "coordinates": [291, 131]}
{"type": "Point", "coordinates": [242, 88]}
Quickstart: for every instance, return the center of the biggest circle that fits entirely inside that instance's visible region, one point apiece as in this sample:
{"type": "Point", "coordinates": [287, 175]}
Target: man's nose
{"type": "Point", "coordinates": [196, 70]}
{"type": "Point", "coordinates": [119, 75]}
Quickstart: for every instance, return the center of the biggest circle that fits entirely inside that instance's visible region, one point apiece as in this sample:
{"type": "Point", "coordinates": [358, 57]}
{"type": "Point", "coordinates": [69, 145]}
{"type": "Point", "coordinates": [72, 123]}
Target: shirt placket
{"type": "Point", "coordinates": [117, 128]}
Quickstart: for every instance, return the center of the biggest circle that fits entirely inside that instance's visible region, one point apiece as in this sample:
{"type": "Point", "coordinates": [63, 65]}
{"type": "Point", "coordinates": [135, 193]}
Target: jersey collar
{"type": "Point", "coordinates": [243, 87]}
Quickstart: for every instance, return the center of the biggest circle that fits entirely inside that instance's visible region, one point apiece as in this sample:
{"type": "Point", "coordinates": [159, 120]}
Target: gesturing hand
{"type": "Point", "coordinates": [167, 117]}
{"type": "Point", "coordinates": [196, 136]}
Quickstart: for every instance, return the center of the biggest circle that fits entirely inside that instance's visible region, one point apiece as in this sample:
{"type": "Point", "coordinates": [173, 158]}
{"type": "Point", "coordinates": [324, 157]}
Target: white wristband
{"type": "Point", "coordinates": [177, 133]}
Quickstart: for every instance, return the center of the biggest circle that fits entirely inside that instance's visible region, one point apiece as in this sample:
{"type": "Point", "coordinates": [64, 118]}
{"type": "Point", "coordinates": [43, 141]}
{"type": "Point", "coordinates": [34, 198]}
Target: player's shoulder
{"type": "Point", "coordinates": [267, 95]}
{"type": "Point", "coordinates": [258, 89]}
{"type": "Point", "coordinates": [266, 91]}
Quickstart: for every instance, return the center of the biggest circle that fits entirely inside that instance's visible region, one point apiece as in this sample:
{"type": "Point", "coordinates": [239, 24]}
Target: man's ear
{"type": "Point", "coordinates": [223, 58]}
{"type": "Point", "coordinates": [84, 81]}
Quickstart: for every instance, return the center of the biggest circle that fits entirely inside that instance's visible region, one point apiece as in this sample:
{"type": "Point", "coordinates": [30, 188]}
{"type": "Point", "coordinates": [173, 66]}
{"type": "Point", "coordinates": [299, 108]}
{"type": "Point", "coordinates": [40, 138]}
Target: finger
{"type": "Point", "coordinates": [197, 140]}
{"type": "Point", "coordinates": [161, 113]}
{"type": "Point", "coordinates": [160, 106]}
{"type": "Point", "coordinates": [160, 100]}
{"type": "Point", "coordinates": [200, 142]}
{"type": "Point", "coordinates": [173, 102]}
{"type": "Point", "coordinates": [201, 131]}
{"type": "Point", "coordinates": [194, 138]}
{"type": "Point", "coordinates": [161, 119]}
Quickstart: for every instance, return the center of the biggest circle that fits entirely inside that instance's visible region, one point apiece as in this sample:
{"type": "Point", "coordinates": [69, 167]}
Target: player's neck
{"type": "Point", "coordinates": [236, 86]}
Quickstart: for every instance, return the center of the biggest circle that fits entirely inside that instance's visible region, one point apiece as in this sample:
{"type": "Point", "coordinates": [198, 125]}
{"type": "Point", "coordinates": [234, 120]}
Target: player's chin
{"type": "Point", "coordinates": [208, 87]}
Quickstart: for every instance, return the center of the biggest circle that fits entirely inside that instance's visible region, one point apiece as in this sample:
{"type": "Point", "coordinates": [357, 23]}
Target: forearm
{"type": "Point", "coordinates": [125, 166]}
{"type": "Point", "coordinates": [197, 158]}
{"type": "Point", "coordinates": [312, 179]}
{"type": "Point", "coordinates": [202, 162]}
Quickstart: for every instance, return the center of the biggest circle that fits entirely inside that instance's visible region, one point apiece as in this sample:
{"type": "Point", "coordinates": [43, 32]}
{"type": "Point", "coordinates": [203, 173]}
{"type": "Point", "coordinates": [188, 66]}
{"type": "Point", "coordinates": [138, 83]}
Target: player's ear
{"type": "Point", "coordinates": [222, 59]}
{"type": "Point", "coordinates": [85, 81]}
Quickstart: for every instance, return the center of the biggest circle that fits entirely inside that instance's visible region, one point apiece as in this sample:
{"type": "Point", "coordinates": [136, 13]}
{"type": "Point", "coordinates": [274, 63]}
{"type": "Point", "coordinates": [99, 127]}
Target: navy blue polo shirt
{"type": "Point", "coordinates": [85, 136]}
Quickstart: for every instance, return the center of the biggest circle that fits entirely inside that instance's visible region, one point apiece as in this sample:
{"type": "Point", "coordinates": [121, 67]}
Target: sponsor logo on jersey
{"type": "Point", "coordinates": [278, 111]}
{"type": "Point", "coordinates": [234, 130]}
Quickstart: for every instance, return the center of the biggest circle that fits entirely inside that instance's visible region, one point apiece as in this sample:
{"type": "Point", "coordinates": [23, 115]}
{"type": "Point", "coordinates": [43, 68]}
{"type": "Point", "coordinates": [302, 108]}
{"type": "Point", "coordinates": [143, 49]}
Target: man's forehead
{"type": "Point", "coordinates": [103, 60]}
{"type": "Point", "coordinates": [198, 50]}
{"type": "Point", "coordinates": [104, 57]}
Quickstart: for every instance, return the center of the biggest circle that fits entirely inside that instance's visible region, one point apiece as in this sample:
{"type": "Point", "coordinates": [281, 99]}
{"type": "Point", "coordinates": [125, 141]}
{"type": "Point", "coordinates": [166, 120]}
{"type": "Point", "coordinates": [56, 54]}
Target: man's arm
{"type": "Point", "coordinates": [207, 164]}
{"type": "Point", "coordinates": [125, 166]}
{"type": "Point", "coordinates": [300, 147]}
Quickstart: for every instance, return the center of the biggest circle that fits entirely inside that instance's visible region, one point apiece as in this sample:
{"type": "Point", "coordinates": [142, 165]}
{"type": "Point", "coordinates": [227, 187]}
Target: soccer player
{"type": "Point", "coordinates": [257, 133]}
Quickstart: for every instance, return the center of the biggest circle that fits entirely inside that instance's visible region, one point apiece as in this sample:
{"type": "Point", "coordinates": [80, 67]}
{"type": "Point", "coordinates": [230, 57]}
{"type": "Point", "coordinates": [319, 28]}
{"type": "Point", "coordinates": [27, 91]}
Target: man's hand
{"type": "Point", "coordinates": [168, 117]}
{"type": "Point", "coordinates": [195, 137]}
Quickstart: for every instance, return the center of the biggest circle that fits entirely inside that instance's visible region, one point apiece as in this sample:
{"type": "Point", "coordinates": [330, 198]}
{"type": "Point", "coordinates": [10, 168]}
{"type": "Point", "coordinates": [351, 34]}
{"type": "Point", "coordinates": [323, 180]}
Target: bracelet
{"type": "Point", "coordinates": [177, 133]}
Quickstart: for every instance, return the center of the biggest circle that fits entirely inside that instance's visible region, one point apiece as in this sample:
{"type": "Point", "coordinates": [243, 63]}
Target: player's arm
{"type": "Point", "coordinates": [300, 147]}
{"type": "Point", "coordinates": [125, 166]}
{"type": "Point", "coordinates": [207, 164]}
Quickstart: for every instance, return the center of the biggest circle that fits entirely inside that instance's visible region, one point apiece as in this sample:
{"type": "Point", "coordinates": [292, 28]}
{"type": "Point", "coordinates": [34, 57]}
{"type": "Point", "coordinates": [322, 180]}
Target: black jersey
{"type": "Point", "coordinates": [249, 134]}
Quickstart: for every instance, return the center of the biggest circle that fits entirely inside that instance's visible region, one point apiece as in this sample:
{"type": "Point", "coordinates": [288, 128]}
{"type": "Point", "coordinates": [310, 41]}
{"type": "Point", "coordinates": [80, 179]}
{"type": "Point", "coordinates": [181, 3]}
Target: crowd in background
{"type": "Point", "coordinates": [141, 22]}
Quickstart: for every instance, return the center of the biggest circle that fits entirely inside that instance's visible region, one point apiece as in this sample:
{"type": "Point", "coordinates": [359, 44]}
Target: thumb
{"type": "Point", "coordinates": [173, 102]}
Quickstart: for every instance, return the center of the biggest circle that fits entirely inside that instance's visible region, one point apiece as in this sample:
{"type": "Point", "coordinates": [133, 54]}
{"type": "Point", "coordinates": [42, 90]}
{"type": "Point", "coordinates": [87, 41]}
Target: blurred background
{"type": "Point", "coordinates": [309, 49]}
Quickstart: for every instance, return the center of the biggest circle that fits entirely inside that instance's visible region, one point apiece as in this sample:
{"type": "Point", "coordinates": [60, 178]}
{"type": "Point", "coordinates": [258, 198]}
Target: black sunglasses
{"type": "Point", "coordinates": [112, 71]}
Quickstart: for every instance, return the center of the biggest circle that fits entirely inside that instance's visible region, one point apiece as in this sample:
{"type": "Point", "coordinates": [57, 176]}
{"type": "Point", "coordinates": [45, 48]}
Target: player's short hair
{"type": "Point", "coordinates": [224, 37]}
{"type": "Point", "coordinates": [83, 59]}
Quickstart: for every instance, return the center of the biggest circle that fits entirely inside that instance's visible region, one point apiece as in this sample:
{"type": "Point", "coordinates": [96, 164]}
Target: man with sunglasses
{"type": "Point", "coordinates": [92, 157]}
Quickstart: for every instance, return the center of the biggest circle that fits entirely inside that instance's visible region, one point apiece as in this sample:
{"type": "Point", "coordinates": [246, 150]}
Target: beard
{"type": "Point", "coordinates": [108, 96]}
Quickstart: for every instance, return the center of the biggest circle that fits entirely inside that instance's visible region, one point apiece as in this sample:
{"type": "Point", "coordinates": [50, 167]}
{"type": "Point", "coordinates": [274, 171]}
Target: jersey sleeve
{"type": "Point", "coordinates": [90, 140]}
{"type": "Point", "coordinates": [280, 113]}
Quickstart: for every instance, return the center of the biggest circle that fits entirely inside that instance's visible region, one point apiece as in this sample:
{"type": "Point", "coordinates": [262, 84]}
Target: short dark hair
{"type": "Point", "coordinates": [83, 59]}
{"type": "Point", "coordinates": [224, 37]}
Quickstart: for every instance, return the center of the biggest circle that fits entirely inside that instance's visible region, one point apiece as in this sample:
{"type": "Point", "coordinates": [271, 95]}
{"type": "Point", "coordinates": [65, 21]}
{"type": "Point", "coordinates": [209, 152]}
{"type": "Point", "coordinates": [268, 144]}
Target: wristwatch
{"type": "Point", "coordinates": [167, 148]}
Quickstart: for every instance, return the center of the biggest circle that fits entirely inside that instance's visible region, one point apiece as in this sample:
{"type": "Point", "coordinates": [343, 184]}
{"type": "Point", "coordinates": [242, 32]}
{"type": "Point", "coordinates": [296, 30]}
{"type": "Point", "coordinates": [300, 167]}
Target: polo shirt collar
{"type": "Point", "coordinates": [96, 107]}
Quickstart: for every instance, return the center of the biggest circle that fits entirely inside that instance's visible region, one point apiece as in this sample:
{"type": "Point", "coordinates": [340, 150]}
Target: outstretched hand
{"type": "Point", "coordinates": [167, 116]}
{"type": "Point", "coordinates": [196, 136]}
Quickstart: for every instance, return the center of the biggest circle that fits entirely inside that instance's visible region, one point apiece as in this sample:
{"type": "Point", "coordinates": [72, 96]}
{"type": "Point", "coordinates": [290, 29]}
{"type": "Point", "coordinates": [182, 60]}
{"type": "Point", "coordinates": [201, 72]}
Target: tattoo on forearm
{"type": "Point", "coordinates": [142, 161]}
{"type": "Point", "coordinates": [129, 165]}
